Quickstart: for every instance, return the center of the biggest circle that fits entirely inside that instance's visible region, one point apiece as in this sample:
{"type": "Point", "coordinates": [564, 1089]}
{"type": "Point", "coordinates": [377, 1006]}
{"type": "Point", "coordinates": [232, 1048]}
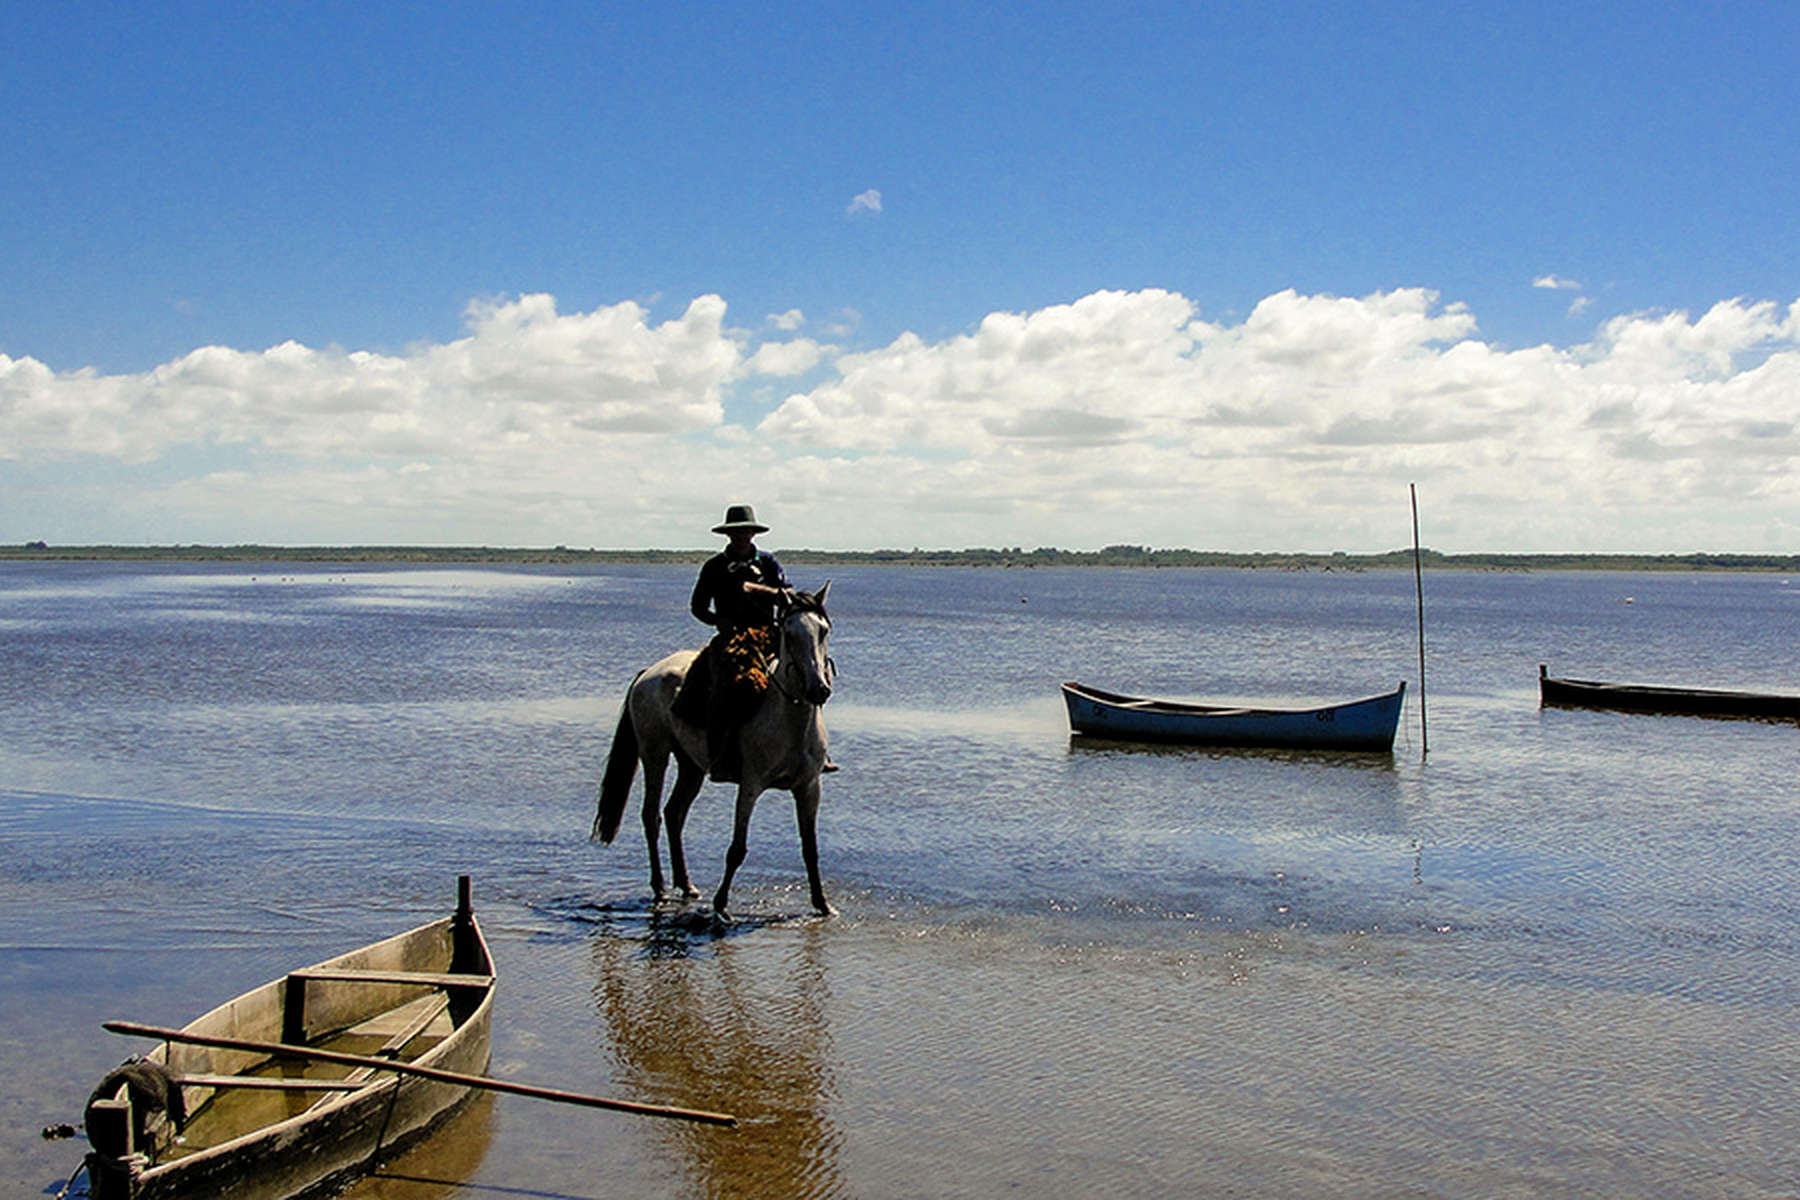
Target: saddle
{"type": "Point", "coordinates": [729, 678]}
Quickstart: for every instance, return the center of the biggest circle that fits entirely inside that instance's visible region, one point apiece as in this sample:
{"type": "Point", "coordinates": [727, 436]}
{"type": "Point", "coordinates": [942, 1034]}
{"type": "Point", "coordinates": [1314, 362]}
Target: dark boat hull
{"type": "Point", "coordinates": [1671, 701]}
{"type": "Point", "coordinates": [1366, 725]}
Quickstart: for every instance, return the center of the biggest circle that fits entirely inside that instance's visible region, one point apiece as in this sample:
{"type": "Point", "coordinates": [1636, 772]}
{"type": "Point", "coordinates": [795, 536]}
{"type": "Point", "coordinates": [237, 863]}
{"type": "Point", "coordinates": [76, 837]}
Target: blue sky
{"type": "Point", "coordinates": [1215, 275]}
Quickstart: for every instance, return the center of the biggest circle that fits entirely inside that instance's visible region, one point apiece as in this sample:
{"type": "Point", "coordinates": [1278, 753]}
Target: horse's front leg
{"type": "Point", "coordinates": [806, 814]}
{"type": "Point", "coordinates": [689, 776]}
{"type": "Point", "coordinates": [653, 785]}
{"type": "Point", "coordinates": [740, 844]}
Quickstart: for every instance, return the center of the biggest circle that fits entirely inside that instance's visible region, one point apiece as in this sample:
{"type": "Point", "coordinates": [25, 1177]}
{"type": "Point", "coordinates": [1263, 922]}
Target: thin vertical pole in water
{"type": "Point", "coordinates": [1419, 588]}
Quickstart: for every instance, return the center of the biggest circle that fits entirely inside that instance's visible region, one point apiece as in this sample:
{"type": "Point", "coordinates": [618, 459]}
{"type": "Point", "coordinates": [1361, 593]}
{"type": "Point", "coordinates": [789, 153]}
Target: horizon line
{"type": "Point", "coordinates": [1118, 554]}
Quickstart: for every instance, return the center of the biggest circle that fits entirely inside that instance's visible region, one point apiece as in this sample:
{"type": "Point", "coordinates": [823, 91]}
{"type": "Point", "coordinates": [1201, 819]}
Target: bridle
{"type": "Point", "coordinates": [790, 609]}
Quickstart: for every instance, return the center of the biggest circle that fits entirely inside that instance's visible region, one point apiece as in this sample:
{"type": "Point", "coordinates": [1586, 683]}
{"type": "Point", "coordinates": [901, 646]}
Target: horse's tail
{"type": "Point", "coordinates": [615, 782]}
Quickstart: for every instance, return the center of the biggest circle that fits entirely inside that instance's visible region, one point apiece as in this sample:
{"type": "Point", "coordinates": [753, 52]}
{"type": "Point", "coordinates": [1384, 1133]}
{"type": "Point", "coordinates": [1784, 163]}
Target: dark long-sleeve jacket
{"type": "Point", "coordinates": [719, 597]}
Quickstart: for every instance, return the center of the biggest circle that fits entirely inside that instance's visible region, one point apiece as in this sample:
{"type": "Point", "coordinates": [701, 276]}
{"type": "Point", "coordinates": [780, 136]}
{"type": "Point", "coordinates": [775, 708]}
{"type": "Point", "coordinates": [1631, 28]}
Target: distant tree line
{"type": "Point", "coordinates": [1015, 556]}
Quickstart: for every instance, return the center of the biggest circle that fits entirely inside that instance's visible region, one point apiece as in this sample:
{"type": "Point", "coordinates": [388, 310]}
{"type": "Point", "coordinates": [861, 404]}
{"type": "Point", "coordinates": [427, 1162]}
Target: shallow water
{"type": "Point", "coordinates": [1557, 957]}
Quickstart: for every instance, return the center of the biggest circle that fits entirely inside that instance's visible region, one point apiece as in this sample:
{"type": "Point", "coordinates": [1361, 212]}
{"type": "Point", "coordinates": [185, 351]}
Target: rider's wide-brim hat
{"type": "Point", "coordinates": [740, 516]}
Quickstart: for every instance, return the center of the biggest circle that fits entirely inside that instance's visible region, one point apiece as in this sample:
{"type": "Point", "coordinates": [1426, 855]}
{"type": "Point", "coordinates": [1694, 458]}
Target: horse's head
{"type": "Point", "coordinates": [805, 626]}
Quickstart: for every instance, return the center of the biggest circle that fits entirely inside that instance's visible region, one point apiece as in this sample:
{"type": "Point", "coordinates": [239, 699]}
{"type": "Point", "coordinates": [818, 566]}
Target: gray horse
{"type": "Point", "coordinates": [783, 746]}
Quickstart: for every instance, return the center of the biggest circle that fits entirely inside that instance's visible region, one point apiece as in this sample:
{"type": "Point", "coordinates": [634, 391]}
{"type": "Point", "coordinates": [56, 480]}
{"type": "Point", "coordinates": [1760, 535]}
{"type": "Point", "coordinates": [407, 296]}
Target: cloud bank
{"type": "Point", "coordinates": [1119, 417]}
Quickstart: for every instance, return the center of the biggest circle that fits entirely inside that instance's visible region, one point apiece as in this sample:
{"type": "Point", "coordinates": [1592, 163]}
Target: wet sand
{"type": "Point", "coordinates": [885, 1053]}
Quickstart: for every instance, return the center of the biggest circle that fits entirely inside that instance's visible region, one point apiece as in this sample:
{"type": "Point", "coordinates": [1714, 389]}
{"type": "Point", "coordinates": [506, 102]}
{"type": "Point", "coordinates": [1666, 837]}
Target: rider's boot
{"type": "Point", "coordinates": [722, 752]}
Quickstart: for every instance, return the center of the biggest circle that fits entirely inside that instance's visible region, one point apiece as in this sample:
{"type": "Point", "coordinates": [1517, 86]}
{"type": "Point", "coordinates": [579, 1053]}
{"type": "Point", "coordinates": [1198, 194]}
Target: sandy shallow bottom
{"type": "Point", "coordinates": [893, 1052]}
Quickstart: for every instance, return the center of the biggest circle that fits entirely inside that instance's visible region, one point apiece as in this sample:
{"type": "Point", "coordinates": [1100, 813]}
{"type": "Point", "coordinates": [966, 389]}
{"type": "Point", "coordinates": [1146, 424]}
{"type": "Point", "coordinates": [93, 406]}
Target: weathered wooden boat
{"type": "Point", "coordinates": [1367, 724]}
{"type": "Point", "coordinates": [1554, 692]}
{"type": "Point", "coordinates": [263, 1126]}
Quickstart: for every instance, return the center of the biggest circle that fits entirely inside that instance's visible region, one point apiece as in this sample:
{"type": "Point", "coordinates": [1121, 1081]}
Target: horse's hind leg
{"type": "Point", "coordinates": [689, 775]}
{"type": "Point", "coordinates": [653, 785]}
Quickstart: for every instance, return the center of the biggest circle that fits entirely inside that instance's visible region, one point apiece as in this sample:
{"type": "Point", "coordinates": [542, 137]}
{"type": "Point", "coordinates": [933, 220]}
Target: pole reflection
{"type": "Point", "coordinates": [439, 1166]}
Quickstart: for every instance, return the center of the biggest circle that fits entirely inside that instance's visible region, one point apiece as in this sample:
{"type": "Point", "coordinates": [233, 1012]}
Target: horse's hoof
{"type": "Point", "coordinates": [691, 892]}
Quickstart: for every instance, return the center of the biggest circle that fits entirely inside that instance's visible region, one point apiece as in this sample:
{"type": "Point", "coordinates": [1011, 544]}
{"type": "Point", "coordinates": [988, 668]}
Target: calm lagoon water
{"type": "Point", "coordinates": [1559, 956]}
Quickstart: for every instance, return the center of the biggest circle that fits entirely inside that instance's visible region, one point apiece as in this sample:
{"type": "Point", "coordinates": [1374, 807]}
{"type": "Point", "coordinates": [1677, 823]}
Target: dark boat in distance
{"type": "Point", "coordinates": [1674, 701]}
{"type": "Point", "coordinates": [1366, 725]}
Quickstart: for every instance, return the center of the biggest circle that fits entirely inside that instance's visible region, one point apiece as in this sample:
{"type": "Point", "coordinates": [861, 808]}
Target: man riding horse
{"type": "Point", "coordinates": [689, 708]}
{"type": "Point", "coordinates": [741, 592]}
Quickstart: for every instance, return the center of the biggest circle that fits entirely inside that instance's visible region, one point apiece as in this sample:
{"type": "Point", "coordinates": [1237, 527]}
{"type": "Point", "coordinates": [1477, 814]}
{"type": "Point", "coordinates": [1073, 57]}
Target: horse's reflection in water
{"type": "Point", "coordinates": [734, 1024]}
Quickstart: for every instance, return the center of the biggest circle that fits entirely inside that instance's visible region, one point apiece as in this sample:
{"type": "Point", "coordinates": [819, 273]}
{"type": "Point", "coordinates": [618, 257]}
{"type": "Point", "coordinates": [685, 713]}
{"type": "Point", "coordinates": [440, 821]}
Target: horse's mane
{"type": "Point", "coordinates": [807, 602]}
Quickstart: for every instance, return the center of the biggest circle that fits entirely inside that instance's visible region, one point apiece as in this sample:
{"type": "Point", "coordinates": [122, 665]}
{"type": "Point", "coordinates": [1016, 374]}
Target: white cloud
{"type": "Point", "coordinates": [785, 358]}
{"type": "Point", "coordinates": [1121, 416]}
{"type": "Point", "coordinates": [524, 371]}
{"type": "Point", "coordinates": [844, 324]}
{"type": "Point", "coordinates": [1578, 305]}
{"type": "Point", "coordinates": [788, 321]}
{"type": "Point", "coordinates": [868, 203]}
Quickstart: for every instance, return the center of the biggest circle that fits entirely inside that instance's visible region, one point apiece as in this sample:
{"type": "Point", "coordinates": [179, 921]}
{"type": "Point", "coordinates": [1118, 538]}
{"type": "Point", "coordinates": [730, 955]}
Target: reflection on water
{"type": "Point", "coordinates": [1107, 747]}
{"type": "Point", "coordinates": [1560, 958]}
{"type": "Point", "coordinates": [437, 1167]}
{"type": "Point", "coordinates": [729, 1030]}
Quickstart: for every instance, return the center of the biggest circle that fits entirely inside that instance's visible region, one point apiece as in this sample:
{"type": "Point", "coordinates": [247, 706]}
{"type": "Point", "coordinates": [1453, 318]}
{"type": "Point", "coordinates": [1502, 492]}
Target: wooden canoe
{"type": "Point", "coordinates": [264, 1128]}
{"type": "Point", "coordinates": [1645, 698]}
{"type": "Point", "coordinates": [1356, 725]}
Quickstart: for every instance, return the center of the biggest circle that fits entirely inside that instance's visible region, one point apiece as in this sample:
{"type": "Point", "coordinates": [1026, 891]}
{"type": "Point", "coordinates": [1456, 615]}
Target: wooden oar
{"type": "Point", "coordinates": [286, 1050]}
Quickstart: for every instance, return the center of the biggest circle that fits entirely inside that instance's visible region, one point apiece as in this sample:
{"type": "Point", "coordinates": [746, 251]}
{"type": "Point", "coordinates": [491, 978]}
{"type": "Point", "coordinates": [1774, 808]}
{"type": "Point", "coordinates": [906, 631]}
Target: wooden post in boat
{"type": "Point", "coordinates": [113, 1162]}
{"type": "Point", "coordinates": [465, 943]}
{"type": "Point", "coordinates": [109, 1124]}
{"type": "Point", "coordinates": [1419, 588]}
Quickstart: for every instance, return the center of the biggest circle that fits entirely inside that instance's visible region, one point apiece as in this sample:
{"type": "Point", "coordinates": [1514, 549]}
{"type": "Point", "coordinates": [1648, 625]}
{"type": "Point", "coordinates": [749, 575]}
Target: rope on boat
{"type": "Point", "coordinates": [77, 1175]}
